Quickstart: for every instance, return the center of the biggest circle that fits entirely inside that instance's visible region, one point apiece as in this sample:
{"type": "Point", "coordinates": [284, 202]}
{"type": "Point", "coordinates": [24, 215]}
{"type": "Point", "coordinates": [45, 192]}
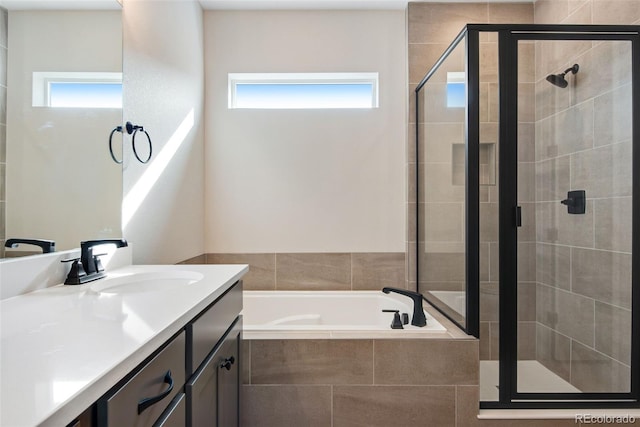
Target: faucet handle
{"type": "Point", "coordinates": [99, 266]}
{"type": "Point", "coordinates": [75, 273]}
{"type": "Point", "coordinates": [396, 323]}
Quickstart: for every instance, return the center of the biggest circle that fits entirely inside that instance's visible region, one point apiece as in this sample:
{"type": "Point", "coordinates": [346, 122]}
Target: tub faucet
{"type": "Point", "coordinates": [418, 318]}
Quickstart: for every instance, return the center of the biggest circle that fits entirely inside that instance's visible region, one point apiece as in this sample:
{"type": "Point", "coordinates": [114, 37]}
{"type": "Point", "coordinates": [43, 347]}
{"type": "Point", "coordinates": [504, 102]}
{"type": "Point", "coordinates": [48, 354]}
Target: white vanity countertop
{"type": "Point", "coordinates": [63, 347]}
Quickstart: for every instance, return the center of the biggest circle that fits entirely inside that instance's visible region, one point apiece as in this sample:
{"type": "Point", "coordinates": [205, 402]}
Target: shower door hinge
{"type": "Point", "coordinates": [518, 216]}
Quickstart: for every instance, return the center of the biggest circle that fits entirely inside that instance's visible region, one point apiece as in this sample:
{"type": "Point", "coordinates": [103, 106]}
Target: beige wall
{"type": "Point", "coordinates": [62, 183]}
{"type": "Point", "coordinates": [163, 208]}
{"type": "Point", "coordinates": [307, 180]}
{"type": "Point", "coordinates": [583, 142]}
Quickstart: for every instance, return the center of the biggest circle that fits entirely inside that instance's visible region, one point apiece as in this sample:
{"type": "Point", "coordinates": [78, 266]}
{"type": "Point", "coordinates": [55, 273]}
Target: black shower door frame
{"type": "Point", "coordinates": [508, 38]}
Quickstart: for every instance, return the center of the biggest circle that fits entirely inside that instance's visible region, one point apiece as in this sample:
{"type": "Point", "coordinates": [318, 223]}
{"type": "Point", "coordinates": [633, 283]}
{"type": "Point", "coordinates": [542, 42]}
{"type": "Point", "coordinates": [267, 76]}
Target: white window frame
{"type": "Point", "coordinates": [302, 78]}
{"type": "Point", "coordinates": [42, 80]}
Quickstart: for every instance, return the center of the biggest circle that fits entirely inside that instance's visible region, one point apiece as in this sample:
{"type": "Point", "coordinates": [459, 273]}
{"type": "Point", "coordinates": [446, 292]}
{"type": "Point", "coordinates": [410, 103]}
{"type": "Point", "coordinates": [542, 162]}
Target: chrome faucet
{"type": "Point", "coordinates": [418, 318]}
{"type": "Point", "coordinates": [88, 267]}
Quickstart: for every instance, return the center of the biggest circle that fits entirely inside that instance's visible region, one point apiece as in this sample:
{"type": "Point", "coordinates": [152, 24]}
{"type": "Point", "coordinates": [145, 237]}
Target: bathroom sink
{"type": "Point", "coordinates": [143, 282]}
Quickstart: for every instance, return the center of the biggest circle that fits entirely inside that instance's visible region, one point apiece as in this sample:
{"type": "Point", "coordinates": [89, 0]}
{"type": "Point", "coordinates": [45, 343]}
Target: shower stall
{"type": "Point", "coordinates": [528, 223]}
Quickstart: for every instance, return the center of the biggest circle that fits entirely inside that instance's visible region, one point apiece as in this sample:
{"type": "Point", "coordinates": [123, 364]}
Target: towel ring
{"type": "Point", "coordinates": [134, 129]}
{"type": "Point", "coordinates": [135, 152]}
{"type": "Point", "coordinates": [113, 156]}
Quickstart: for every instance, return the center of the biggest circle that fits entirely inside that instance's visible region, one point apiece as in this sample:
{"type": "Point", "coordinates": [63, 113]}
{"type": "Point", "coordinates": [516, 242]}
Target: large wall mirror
{"type": "Point", "coordinates": [63, 87]}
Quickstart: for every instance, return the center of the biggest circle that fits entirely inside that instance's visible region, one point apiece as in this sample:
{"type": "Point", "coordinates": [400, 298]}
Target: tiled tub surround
{"type": "Point", "coordinates": [316, 271]}
{"type": "Point", "coordinates": [367, 381]}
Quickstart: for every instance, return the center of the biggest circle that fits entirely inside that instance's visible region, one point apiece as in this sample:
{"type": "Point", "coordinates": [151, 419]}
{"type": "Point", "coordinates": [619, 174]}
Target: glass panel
{"type": "Point", "coordinates": [489, 316]}
{"type": "Point", "coordinates": [441, 182]}
{"type": "Point", "coordinates": [574, 187]}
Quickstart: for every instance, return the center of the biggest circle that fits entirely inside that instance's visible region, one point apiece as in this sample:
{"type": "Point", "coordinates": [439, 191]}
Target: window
{"type": "Point", "coordinates": [77, 90]}
{"type": "Point", "coordinates": [303, 90]}
{"type": "Point", "coordinates": [456, 97]}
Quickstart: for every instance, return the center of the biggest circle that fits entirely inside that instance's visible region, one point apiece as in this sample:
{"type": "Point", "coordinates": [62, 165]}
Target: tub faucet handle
{"type": "Point", "coordinates": [396, 323]}
{"type": "Point", "coordinates": [419, 318]}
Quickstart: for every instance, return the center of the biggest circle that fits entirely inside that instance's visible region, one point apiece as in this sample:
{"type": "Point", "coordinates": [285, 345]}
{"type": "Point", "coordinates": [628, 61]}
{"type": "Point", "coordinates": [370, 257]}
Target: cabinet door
{"type": "Point", "coordinates": [229, 381]}
{"type": "Point", "coordinates": [202, 395]}
{"type": "Point", "coordinates": [212, 392]}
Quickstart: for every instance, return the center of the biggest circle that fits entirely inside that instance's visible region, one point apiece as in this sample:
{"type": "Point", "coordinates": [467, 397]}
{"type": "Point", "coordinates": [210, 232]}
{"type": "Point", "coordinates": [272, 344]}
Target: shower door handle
{"type": "Point", "coordinates": [518, 216]}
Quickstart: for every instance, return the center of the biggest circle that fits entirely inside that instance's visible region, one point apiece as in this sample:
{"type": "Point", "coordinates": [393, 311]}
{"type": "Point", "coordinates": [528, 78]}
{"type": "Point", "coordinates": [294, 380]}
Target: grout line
{"type": "Point", "coordinates": [373, 361]}
{"type": "Point", "coordinates": [351, 270]}
{"type": "Point", "coordinates": [275, 271]}
{"type": "Point", "coordinates": [332, 398]}
{"type": "Point", "coordinates": [455, 401]}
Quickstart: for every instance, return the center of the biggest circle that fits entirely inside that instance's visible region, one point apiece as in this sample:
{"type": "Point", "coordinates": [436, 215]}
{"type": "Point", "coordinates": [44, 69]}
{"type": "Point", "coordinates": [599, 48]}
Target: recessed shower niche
{"type": "Point", "coordinates": [487, 163]}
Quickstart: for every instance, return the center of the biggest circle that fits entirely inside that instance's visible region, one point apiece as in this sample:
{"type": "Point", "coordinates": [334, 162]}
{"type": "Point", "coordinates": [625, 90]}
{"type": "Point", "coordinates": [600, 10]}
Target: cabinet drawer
{"type": "Point", "coordinates": [205, 331]}
{"type": "Point", "coordinates": [144, 397]}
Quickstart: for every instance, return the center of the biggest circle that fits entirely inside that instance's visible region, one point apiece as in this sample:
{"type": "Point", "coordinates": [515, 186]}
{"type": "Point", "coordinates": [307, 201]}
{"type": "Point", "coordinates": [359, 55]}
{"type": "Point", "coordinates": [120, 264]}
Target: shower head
{"type": "Point", "coordinates": [559, 80]}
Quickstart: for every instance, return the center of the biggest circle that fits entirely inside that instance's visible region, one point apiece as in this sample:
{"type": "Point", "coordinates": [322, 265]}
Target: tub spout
{"type": "Point", "coordinates": [418, 318]}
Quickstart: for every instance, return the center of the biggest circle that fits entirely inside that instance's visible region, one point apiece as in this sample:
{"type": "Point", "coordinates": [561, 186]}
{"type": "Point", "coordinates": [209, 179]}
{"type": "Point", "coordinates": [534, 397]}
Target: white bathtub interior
{"type": "Point", "coordinates": [331, 312]}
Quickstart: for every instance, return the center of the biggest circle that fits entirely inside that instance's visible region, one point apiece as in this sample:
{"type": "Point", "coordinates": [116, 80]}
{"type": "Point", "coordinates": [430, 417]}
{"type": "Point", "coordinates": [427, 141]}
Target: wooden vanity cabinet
{"type": "Point", "coordinates": [193, 380]}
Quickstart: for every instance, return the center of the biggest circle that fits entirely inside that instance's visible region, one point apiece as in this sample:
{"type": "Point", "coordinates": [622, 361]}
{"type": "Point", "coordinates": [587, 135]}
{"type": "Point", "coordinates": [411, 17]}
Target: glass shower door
{"type": "Point", "coordinates": [574, 217]}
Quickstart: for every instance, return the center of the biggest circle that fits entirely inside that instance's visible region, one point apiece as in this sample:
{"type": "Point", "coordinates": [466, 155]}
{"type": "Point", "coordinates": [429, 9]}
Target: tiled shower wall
{"type": "Point", "coordinates": [4, 20]}
{"type": "Point", "coordinates": [583, 142]}
{"type": "Point", "coordinates": [432, 27]}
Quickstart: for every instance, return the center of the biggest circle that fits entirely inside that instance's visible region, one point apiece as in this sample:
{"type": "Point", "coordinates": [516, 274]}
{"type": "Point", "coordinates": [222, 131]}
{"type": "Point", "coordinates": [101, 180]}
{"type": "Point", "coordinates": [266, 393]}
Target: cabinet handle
{"type": "Point", "coordinates": [228, 362]}
{"type": "Point", "coordinates": [149, 401]}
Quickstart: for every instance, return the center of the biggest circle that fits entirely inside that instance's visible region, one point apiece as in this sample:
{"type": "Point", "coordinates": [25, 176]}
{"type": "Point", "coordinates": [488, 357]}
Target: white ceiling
{"type": "Point", "coordinates": [235, 4]}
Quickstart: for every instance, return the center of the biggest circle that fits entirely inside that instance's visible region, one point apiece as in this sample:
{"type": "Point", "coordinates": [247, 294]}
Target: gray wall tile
{"type": "Point", "coordinates": [426, 362]}
{"type": "Point", "coordinates": [313, 271]}
{"type": "Point", "coordinates": [604, 276]}
{"type": "Point", "coordinates": [261, 275]}
{"type": "Point", "coordinates": [594, 372]}
{"type": "Point", "coordinates": [373, 271]}
{"type": "Point", "coordinates": [393, 405]}
{"type": "Point", "coordinates": [613, 223]}
{"type": "Point", "coordinates": [309, 361]}
{"type": "Point", "coordinates": [285, 405]}
{"type": "Point", "coordinates": [569, 314]}
{"type": "Point", "coordinates": [613, 332]}
{"type": "Point", "coordinates": [553, 350]}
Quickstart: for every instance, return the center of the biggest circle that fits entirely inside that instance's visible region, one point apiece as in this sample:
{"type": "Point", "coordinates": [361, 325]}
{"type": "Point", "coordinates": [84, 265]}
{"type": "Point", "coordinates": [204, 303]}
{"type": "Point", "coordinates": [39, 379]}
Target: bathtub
{"type": "Point", "coordinates": [328, 314]}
